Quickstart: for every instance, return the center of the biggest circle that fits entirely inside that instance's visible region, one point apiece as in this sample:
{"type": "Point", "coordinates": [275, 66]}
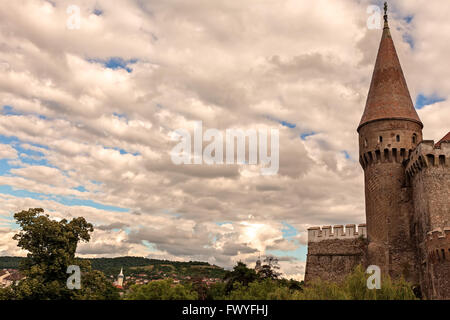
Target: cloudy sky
{"type": "Point", "coordinates": [86, 117]}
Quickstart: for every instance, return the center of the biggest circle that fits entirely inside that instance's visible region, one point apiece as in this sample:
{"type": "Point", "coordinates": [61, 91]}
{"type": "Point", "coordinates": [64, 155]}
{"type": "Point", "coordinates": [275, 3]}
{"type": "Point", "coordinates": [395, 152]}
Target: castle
{"type": "Point", "coordinates": [407, 193]}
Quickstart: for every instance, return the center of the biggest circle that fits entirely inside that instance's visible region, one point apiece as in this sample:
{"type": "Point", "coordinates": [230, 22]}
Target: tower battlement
{"type": "Point", "coordinates": [317, 234]}
{"type": "Point", "coordinates": [428, 154]}
{"type": "Point", "coordinates": [398, 155]}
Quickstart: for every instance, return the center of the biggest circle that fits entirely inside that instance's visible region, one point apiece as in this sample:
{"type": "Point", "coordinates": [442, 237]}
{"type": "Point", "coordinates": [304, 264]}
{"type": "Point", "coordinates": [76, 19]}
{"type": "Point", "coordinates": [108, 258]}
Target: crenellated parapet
{"type": "Point", "coordinates": [438, 245]}
{"type": "Point", "coordinates": [317, 234]}
{"type": "Point", "coordinates": [428, 155]}
{"type": "Point", "coordinates": [386, 155]}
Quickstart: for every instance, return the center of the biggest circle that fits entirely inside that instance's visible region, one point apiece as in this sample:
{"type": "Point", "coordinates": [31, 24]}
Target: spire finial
{"type": "Point", "coordinates": [385, 12]}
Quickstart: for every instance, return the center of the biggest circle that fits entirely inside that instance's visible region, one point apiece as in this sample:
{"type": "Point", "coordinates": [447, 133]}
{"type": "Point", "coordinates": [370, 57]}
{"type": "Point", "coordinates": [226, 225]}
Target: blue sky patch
{"type": "Point", "coordinates": [150, 246]}
{"type": "Point", "coordinates": [9, 111]}
{"type": "Point", "coordinates": [115, 63]}
{"type": "Point", "coordinates": [121, 116]}
{"type": "Point", "coordinates": [5, 166]}
{"type": "Point", "coordinates": [305, 135]}
{"type": "Point", "coordinates": [408, 19]}
{"type": "Point", "coordinates": [347, 156]}
{"type": "Point", "coordinates": [288, 231]}
{"type": "Point", "coordinates": [223, 222]}
{"type": "Point", "coordinates": [298, 254]}
{"type": "Point", "coordinates": [15, 141]}
{"type": "Point", "coordinates": [97, 12]}
{"type": "Point", "coordinates": [122, 151]}
{"type": "Point", "coordinates": [80, 188]}
{"type": "Point", "coordinates": [287, 124]}
{"type": "Point", "coordinates": [423, 100]}
{"type": "Point", "coordinates": [65, 200]}
{"type": "Point", "coordinates": [26, 156]}
{"type": "Point", "coordinates": [8, 222]}
{"type": "Point", "coordinates": [409, 40]}
{"type": "Point", "coordinates": [282, 122]}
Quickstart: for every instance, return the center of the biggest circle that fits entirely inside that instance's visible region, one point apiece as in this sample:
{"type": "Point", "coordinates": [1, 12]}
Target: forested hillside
{"type": "Point", "coordinates": [132, 265]}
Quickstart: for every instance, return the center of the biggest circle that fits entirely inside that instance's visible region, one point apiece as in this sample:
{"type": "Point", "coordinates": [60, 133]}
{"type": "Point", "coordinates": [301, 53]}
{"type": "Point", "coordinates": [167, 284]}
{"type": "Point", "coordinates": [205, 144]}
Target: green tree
{"type": "Point", "coordinates": [266, 289]}
{"type": "Point", "coordinates": [161, 290]}
{"type": "Point", "coordinates": [51, 247]}
{"type": "Point", "coordinates": [269, 270]}
{"type": "Point", "coordinates": [95, 286]}
{"type": "Point", "coordinates": [217, 291]}
{"type": "Point", "coordinates": [200, 287]}
{"type": "Point", "coordinates": [6, 294]}
{"type": "Point", "coordinates": [240, 274]}
{"type": "Point", "coordinates": [354, 287]}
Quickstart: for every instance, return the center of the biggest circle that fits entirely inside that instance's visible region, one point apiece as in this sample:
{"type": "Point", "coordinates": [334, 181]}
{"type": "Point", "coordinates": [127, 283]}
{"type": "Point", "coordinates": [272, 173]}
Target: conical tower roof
{"type": "Point", "coordinates": [388, 96]}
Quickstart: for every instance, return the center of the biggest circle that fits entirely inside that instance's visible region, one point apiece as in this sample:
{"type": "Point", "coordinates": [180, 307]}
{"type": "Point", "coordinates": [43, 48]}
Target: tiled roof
{"type": "Point", "coordinates": [445, 138]}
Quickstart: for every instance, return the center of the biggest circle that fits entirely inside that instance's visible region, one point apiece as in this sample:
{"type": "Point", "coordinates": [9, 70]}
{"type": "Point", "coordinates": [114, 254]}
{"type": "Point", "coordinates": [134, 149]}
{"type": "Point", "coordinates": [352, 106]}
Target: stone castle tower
{"type": "Point", "coordinates": [388, 132]}
{"type": "Point", "coordinates": [407, 193]}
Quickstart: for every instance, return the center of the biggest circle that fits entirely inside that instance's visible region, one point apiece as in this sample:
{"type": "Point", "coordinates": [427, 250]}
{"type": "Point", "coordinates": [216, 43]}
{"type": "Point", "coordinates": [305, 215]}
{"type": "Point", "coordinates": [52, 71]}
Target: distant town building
{"type": "Point", "coordinates": [9, 277]}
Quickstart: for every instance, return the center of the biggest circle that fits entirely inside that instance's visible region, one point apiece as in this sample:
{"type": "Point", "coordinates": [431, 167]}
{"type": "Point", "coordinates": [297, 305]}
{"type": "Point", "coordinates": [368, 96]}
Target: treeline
{"type": "Point", "coordinates": [10, 262]}
{"type": "Point", "coordinates": [244, 284]}
{"type": "Point", "coordinates": [112, 266]}
{"type": "Point", "coordinates": [126, 262]}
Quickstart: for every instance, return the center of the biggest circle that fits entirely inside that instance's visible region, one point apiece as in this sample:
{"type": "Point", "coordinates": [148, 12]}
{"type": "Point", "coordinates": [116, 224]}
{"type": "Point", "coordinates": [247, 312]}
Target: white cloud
{"type": "Point", "coordinates": [7, 152]}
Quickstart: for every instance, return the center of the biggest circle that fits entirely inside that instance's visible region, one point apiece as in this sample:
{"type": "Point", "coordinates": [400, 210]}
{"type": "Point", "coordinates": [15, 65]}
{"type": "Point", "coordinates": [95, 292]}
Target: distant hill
{"type": "Point", "coordinates": [9, 262]}
{"type": "Point", "coordinates": [153, 268]}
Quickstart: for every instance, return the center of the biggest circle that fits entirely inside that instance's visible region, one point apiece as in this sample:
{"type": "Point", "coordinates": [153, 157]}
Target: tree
{"type": "Point", "coordinates": [161, 290]}
{"type": "Point", "coordinates": [354, 287]}
{"type": "Point", "coordinates": [240, 274]}
{"type": "Point", "coordinates": [269, 270]}
{"type": "Point", "coordinates": [6, 294]}
{"type": "Point", "coordinates": [51, 247]}
{"type": "Point", "coordinates": [291, 284]}
{"type": "Point", "coordinates": [217, 291]}
{"type": "Point", "coordinates": [200, 287]}
{"type": "Point", "coordinates": [266, 289]}
{"type": "Point", "coordinates": [95, 286]}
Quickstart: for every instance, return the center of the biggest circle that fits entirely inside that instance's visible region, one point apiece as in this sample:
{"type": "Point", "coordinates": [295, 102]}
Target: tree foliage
{"type": "Point", "coordinates": [161, 290]}
{"type": "Point", "coordinates": [354, 287]}
{"type": "Point", "coordinates": [240, 274]}
{"type": "Point", "coordinates": [51, 247]}
{"type": "Point", "coordinates": [270, 269]}
{"type": "Point", "coordinates": [265, 289]}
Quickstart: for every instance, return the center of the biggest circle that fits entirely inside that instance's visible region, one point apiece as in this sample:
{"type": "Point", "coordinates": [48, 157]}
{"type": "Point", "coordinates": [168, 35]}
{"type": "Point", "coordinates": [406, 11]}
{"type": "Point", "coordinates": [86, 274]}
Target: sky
{"type": "Point", "coordinates": [87, 112]}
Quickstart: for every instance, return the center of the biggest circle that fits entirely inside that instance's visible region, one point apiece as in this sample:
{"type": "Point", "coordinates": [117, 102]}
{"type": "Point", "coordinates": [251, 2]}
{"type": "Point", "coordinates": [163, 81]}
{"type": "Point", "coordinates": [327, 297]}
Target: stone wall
{"type": "Point", "coordinates": [429, 171]}
{"type": "Point", "coordinates": [438, 264]}
{"type": "Point", "coordinates": [334, 253]}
